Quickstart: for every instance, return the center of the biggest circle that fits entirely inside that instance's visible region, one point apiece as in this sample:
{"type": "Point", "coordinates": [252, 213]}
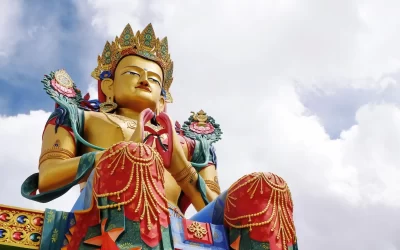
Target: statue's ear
{"type": "Point", "coordinates": [161, 105]}
{"type": "Point", "coordinates": [107, 87]}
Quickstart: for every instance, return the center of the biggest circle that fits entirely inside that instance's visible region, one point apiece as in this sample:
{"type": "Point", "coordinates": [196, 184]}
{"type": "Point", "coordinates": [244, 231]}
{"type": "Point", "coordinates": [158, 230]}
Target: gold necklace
{"type": "Point", "coordinates": [131, 124]}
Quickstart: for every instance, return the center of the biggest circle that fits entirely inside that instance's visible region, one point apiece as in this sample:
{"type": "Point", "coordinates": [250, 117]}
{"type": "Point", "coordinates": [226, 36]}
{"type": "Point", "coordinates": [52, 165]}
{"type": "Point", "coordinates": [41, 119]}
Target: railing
{"type": "Point", "coordinates": [20, 228]}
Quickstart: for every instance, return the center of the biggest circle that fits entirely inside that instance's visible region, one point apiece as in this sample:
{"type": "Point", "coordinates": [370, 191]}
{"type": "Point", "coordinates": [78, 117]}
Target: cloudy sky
{"type": "Point", "coordinates": [307, 89]}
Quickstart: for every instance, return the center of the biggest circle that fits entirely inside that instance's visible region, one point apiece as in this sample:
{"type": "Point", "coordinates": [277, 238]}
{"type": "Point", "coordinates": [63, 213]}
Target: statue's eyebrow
{"type": "Point", "coordinates": [135, 67]}
{"type": "Point", "coordinates": [148, 71]}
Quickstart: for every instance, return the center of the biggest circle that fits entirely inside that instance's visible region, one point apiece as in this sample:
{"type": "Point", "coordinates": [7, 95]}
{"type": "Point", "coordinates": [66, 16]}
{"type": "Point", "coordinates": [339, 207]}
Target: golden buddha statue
{"type": "Point", "coordinates": [139, 172]}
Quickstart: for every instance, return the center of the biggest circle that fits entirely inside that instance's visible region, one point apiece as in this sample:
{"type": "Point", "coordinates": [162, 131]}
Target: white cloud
{"type": "Point", "coordinates": [229, 60]}
{"type": "Point", "coordinates": [20, 146]}
{"type": "Point", "coordinates": [92, 90]}
{"type": "Point", "coordinates": [105, 19]}
{"type": "Point", "coordinates": [302, 39]}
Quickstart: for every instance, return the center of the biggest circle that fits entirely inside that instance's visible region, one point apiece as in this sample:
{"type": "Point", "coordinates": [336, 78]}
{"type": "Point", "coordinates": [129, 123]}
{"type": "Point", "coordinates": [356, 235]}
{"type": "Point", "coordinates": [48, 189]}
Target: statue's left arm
{"type": "Point", "coordinates": [210, 177]}
{"type": "Point", "coordinates": [257, 208]}
{"type": "Point", "coordinates": [194, 167]}
{"type": "Point", "coordinates": [208, 173]}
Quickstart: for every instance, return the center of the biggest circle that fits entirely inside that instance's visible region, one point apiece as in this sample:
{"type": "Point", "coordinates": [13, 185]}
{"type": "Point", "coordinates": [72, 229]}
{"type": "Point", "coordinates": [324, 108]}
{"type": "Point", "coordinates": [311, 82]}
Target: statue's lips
{"type": "Point", "coordinates": [144, 88]}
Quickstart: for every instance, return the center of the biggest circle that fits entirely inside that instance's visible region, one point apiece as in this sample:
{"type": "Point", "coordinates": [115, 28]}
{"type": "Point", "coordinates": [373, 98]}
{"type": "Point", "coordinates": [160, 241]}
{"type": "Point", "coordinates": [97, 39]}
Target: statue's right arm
{"type": "Point", "coordinates": [58, 163]}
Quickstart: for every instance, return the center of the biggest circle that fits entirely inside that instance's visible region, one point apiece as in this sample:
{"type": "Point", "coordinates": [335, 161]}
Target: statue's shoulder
{"type": "Point", "coordinates": [201, 126]}
{"type": "Point", "coordinates": [93, 115]}
{"type": "Point", "coordinates": [71, 108]}
{"type": "Point", "coordinates": [70, 105]}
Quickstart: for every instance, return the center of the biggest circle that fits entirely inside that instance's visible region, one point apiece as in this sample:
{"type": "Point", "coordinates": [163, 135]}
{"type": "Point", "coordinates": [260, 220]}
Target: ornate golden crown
{"type": "Point", "coordinates": [144, 44]}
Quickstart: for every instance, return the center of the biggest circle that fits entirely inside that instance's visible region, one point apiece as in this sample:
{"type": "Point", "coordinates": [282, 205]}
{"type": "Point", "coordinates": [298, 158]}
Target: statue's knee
{"type": "Point", "coordinates": [261, 203]}
{"type": "Point", "coordinates": [258, 194]}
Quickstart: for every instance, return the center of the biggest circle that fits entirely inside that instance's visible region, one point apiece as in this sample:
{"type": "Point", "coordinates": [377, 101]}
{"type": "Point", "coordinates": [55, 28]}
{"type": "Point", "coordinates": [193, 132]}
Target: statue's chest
{"type": "Point", "coordinates": [108, 130]}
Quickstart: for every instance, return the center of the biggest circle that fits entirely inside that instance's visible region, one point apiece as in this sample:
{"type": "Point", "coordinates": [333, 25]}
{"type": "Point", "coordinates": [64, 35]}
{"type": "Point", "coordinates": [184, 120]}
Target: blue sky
{"type": "Point", "coordinates": [49, 36]}
{"type": "Point", "coordinates": [306, 89]}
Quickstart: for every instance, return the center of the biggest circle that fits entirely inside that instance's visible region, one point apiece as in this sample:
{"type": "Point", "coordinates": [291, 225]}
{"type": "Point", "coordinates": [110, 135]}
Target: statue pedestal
{"type": "Point", "coordinates": [20, 228]}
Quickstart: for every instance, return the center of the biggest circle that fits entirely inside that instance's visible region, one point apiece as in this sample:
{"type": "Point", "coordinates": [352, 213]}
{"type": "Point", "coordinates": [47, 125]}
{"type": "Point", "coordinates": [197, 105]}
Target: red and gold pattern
{"type": "Point", "coordinates": [132, 176]}
{"type": "Point", "coordinates": [262, 203]}
{"type": "Point", "coordinates": [83, 220]}
{"type": "Point", "coordinates": [20, 228]}
{"type": "Point", "coordinates": [197, 232]}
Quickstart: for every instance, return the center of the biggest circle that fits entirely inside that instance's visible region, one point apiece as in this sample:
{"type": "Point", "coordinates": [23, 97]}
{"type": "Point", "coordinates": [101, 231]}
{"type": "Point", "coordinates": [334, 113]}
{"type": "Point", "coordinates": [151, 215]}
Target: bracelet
{"type": "Point", "coordinates": [213, 186]}
{"type": "Point", "coordinates": [57, 149]}
{"type": "Point", "coordinates": [189, 177]}
{"type": "Point", "coordinates": [183, 173]}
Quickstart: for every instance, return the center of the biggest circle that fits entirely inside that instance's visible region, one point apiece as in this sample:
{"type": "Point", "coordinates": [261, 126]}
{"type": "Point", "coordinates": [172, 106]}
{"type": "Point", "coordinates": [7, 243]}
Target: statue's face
{"type": "Point", "coordinates": [138, 83]}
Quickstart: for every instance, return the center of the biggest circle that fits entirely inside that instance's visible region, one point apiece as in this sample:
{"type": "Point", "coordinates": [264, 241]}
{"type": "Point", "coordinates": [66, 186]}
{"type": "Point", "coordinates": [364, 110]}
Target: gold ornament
{"type": "Point", "coordinates": [108, 106]}
{"type": "Point", "coordinates": [130, 123]}
{"type": "Point", "coordinates": [63, 78]}
{"type": "Point", "coordinates": [140, 177]}
{"type": "Point", "coordinates": [144, 44]}
{"type": "Point", "coordinates": [200, 117]}
{"type": "Point", "coordinates": [197, 230]}
{"type": "Point", "coordinates": [21, 228]}
{"type": "Point", "coordinates": [213, 186]}
{"type": "Point", "coordinates": [186, 175]}
{"type": "Point", "coordinates": [56, 152]}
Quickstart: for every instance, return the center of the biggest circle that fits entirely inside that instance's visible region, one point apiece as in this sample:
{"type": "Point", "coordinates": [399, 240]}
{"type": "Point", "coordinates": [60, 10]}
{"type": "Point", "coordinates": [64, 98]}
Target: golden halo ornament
{"type": "Point", "coordinates": [63, 78]}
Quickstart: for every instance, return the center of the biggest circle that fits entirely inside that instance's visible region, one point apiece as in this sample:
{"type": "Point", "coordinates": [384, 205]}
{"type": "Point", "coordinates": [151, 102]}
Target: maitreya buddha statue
{"type": "Point", "coordinates": [139, 171]}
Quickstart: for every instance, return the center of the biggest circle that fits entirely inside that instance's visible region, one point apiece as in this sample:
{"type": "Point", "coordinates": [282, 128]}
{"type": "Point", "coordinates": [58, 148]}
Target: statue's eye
{"type": "Point", "coordinates": [155, 81]}
{"type": "Point", "coordinates": [132, 73]}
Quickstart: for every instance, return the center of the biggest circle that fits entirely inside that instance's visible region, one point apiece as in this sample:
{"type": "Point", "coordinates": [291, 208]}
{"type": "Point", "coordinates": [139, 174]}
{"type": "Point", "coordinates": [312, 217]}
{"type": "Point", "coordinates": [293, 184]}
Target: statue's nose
{"type": "Point", "coordinates": [144, 81]}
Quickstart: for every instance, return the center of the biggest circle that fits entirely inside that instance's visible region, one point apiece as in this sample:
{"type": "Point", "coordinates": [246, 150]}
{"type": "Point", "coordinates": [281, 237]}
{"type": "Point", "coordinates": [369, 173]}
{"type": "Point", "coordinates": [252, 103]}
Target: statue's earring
{"type": "Point", "coordinates": [108, 106]}
{"type": "Point", "coordinates": [107, 87]}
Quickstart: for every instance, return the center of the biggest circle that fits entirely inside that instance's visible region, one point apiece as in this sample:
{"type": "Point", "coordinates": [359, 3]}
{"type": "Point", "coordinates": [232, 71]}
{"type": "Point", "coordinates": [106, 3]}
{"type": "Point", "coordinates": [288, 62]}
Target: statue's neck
{"type": "Point", "coordinates": [128, 113]}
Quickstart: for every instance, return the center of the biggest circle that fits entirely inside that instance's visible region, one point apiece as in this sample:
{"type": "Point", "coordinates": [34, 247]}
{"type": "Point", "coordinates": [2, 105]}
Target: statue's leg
{"type": "Point", "coordinates": [259, 213]}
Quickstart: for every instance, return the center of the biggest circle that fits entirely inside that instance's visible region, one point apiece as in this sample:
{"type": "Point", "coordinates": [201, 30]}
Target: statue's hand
{"type": "Point", "coordinates": [144, 117]}
{"type": "Point", "coordinates": [178, 157]}
{"type": "Point", "coordinates": [167, 127]}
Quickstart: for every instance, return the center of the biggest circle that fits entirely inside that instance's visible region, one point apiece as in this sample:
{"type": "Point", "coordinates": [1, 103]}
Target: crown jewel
{"type": "Point", "coordinates": [144, 44]}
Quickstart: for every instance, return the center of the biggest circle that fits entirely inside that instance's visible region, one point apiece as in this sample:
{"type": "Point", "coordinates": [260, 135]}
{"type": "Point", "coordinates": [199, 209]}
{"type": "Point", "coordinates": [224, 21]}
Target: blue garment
{"type": "Point", "coordinates": [85, 198]}
{"type": "Point", "coordinates": [213, 213]}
